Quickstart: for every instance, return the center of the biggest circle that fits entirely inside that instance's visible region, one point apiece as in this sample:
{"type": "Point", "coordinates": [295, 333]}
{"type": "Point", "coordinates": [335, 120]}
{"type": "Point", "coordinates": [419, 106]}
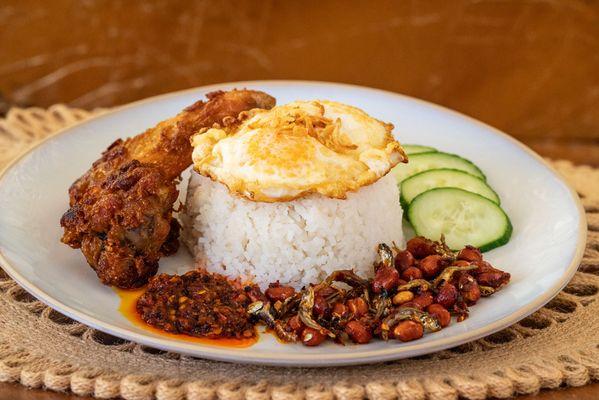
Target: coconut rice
{"type": "Point", "coordinates": [296, 242]}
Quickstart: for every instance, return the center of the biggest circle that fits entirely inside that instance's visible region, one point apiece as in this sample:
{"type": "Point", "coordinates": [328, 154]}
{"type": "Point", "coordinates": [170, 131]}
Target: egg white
{"type": "Point", "coordinates": [296, 149]}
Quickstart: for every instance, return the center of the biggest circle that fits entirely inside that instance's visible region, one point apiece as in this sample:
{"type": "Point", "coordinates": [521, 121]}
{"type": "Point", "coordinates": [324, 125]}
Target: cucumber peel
{"type": "Point", "coordinates": [411, 149]}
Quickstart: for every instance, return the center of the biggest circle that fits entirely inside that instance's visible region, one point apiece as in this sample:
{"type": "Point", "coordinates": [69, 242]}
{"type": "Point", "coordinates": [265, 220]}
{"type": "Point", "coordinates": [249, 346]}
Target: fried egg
{"type": "Point", "coordinates": [297, 149]}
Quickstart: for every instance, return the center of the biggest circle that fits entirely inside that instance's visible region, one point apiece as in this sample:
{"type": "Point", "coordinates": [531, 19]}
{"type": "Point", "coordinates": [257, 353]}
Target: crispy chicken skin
{"type": "Point", "coordinates": [120, 213]}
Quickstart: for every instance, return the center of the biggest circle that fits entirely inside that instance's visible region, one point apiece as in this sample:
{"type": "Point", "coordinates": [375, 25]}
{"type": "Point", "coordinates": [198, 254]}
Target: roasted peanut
{"type": "Point", "coordinates": [469, 289]}
{"type": "Point", "coordinates": [471, 293]}
{"type": "Point", "coordinates": [441, 313]}
{"type": "Point", "coordinates": [386, 278]}
{"type": "Point", "coordinates": [483, 266]}
{"type": "Point", "coordinates": [408, 330]}
{"type": "Point", "coordinates": [312, 337]}
{"type": "Point", "coordinates": [411, 273]}
{"type": "Point", "coordinates": [340, 310]}
{"type": "Point", "coordinates": [423, 300]}
{"type": "Point", "coordinates": [470, 253]}
{"type": "Point", "coordinates": [493, 279]}
{"type": "Point", "coordinates": [461, 263]}
{"type": "Point", "coordinates": [321, 308]}
{"type": "Point", "coordinates": [358, 332]}
{"type": "Point", "coordinates": [430, 265]}
{"type": "Point", "coordinates": [403, 297]}
{"type": "Point", "coordinates": [326, 291]}
{"type": "Point", "coordinates": [404, 260]}
{"type": "Point", "coordinates": [357, 307]}
{"type": "Point", "coordinates": [411, 304]}
{"type": "Point", "coordinates": [447, 295]}
{"type": "Point", "coordinates": [276, 292]}
{"type": "Point", "coordinates": [295, 324]}
{"type": "Point", "coordinates": [420, 247]}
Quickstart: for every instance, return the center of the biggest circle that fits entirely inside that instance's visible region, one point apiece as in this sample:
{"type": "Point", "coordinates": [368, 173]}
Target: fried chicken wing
{"type": "Point", "coordinates": [121, 210]}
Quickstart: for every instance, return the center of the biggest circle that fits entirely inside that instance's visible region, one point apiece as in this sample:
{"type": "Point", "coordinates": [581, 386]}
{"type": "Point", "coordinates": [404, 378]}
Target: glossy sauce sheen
{"type": "Point", "coordinates": [128, 309]}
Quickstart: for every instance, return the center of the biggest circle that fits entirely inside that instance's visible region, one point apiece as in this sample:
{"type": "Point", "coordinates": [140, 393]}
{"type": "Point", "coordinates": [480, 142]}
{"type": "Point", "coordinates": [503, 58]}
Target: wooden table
{"type": "Point", "coordinates": [530, 68]}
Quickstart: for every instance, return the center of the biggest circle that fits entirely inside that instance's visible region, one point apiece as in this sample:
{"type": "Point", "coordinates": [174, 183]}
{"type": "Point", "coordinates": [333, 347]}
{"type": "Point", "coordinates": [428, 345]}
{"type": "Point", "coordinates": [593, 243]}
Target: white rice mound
{"type": "Point", "coordinates": [296, 242]}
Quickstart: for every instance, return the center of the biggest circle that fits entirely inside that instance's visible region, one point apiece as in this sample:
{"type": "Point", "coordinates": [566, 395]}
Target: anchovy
{"type": "Point", "coordinates": [416, 283]}
{"type": "Point", "coordinates": [381, 304]}
{"type": "Point", "coordinates": [386, 255]}
{"type": "Point", "coordinates": [305, 313]}
{"type": "Point", "coordinates": [262, 311]}
{"type": "Point", "coordinates": [448, 272]}
{"type": "Point", "coordinates": [346, 276]}
{"type": "Point", "coordinates": [486, 291]}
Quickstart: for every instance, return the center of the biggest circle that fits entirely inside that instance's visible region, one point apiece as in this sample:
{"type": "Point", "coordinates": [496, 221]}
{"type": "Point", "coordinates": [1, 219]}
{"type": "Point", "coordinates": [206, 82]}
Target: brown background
{"type": "Point", "coordinates": [528, 67]}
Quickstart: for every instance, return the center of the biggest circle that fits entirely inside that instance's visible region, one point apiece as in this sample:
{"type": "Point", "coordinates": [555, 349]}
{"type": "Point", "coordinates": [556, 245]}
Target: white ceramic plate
{"type": "Point", "coordinates": [546, 246]}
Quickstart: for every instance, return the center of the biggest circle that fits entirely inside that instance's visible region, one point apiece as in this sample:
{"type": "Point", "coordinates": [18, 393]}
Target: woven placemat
{"type": "Point", "coordinates": [556, 346]}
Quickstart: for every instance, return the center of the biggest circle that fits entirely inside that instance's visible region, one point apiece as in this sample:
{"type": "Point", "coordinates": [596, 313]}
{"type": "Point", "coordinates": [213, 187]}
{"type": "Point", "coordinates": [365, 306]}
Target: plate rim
{"type": "Point", "coordinates": [307, 359]}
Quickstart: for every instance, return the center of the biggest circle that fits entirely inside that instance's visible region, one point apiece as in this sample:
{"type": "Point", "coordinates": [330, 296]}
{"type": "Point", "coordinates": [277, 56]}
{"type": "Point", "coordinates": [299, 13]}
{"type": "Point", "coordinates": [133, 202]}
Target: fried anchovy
{"type": "Point", "coordinates": [443, 250]}
{"type": "Point", "coordinates": [386, 255]}
{"type": "Point", "coordinates": [305, 312]}
{"type": "Point", "coordinates": [338, 295]}
{"type": "Point", "coordinates": [416, 283]}
{"type": "Point", "coordinates": [448, 272]}
{"type": "Point", "coordinates": [346, 276]}
{"type": "Point", "coordinates": [262, 311]}
{"type": "Point", "coordinates": [290, 304]}
{"type": "Point", "coordinates": [486, 291]}
{"type": "Point", "coordinates": [381, 304]}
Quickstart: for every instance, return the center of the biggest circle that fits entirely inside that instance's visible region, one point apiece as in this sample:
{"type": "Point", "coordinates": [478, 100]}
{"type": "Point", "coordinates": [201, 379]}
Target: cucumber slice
{"type": "Point", "coordinates": [425, 161]}
{"type": "Point", "coordinates": [417, 148]}
{"type": "Point", "coordinates": [436, 178]}
{"type": "Point", "coordinates": [463, 217]}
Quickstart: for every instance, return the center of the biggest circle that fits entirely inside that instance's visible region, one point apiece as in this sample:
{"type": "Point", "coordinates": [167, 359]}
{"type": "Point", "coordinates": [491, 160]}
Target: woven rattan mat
{"type": "Point", "coordinates": [558, 345]}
